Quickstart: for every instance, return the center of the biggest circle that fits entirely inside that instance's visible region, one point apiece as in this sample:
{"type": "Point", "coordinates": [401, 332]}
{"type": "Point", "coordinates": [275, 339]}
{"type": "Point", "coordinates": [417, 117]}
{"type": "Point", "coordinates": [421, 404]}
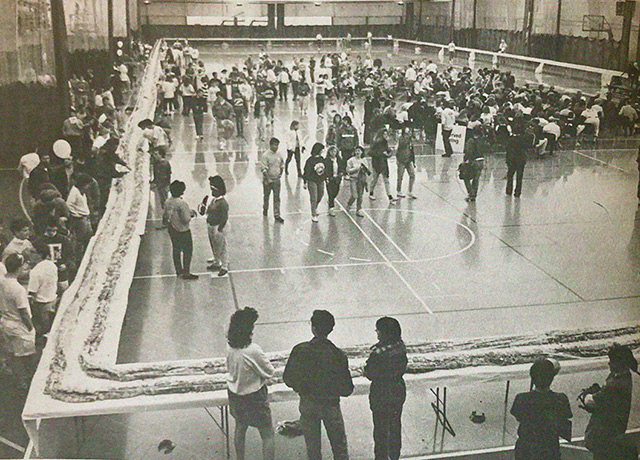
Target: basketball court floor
{"type": "Point", "coordinates": [564, 256]}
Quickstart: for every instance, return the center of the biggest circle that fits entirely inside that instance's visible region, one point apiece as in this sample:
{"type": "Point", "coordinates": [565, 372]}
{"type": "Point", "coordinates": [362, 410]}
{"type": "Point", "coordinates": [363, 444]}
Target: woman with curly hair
{"type": "Point", "coordinates": [249, 369]}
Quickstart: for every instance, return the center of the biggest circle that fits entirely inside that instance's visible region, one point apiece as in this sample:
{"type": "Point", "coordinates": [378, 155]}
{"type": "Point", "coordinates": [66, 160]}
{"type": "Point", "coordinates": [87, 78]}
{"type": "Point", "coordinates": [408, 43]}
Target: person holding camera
{"type": "Point", "coordinates": [543, 415]}
{"type": "Point", "coordinates": [610, 407]}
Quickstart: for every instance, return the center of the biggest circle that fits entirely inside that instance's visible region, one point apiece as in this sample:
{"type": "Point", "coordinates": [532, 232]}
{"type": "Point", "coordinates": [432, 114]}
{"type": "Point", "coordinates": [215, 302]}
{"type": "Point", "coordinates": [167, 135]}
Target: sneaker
{"type": "Point", "coordinates": [189, 276]}
{"type": "Point", "coordinates": [412, 196]}
{"type": "Point", "coordinates": [392, 199]}
{"type": "Point", "coordinates": [400, 195]}
{"type": "Point", "coordinates": [470, 199]}
{"type": "Point", "coordinates": [214, 266]}
{"type": "Point", "coordinates": [332, 212]}
{"type": "Point", "coordinates": [314, 218]}
{"type": "Point", "coordinates": [210, 261]}
{"type": "Point", "coordinates": [359, 213]}
{"type": "Point", "coordinates": [223, 272]}
{"type": "Point", "coordinates": [279, 220]}
{"type": "Point", "coordinates": [371, 197]}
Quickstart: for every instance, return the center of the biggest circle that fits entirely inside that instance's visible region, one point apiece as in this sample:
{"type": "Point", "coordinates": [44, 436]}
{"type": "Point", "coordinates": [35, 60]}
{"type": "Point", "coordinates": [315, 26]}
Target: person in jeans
{"type": "Point", "coordinates": [272, 166]}
{"type": "Point", "coordinates": [314, 175]}
{"type": "Point", "coordinates": [319, 372]}
{"type": "Point", "coordinates": [516, 157]}
{"type": "Point", "coordinates": [358, 176]}
{"type": "Point", "coordinates": [385, 367]}
{"type": "Point", "coordinates": [177, 217]}
{"type": "Point", "coordinates": [405, 159]}
{"type": "Point", "coordinates": [335, 170]}
{"type": "Point", "coordinates": [448, 118]}
{"type": "Point", "coordinates": [474, 156]}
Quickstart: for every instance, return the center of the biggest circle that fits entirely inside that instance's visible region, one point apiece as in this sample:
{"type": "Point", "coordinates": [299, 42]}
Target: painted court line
{"type": "Point", "coordinates": [386, 235]}
{"type": "Point", "coordinates": [603, 162]}
{"type": "Point", "coordinates": [388, 262]}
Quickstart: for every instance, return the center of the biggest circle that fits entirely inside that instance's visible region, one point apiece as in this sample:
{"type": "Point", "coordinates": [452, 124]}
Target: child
{"type": "Point", "coordinates": [358, 173]}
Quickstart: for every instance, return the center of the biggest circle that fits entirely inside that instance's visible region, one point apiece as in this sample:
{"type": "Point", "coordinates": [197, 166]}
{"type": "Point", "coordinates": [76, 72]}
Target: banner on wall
{"type": "Point", "coordinates": [458, 137]}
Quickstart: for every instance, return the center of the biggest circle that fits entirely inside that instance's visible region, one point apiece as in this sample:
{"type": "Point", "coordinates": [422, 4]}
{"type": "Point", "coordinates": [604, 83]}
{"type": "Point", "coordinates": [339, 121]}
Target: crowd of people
{"type": "Point", "coordinates": [318, 372]}
{"type": "Point", "coordinates": [69, 183]}
{"type": "Point", "coordinates": [67, 187]}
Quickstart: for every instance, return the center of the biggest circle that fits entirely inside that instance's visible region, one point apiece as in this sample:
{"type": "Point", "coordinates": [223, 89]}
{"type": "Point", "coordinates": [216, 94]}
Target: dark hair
{"type": "Point", "coordinates": [621, 354]}
{"type": "Point", "coordinates": [389, 329]}
{"type": "Point", "coordinates": [323, 322]}
{"type": "Point", "coordinates": [542, 373]}
{"type": "Point", "coordinates": [13, 262]}
{"type": "Point", "coordinates": [82, 179]}
{"type": "Point", "coordinates": [217, 182]}
{"type": "Point", "coordinates": [274, 141]}
{"type": "Point", "coordinates": [317, 149]}
{"type": "Point", "coordinates": [18, 224]}
{"type": "Point", "coordinates": [177, 188]}
{"type": "Point", "coordinates": [241, 327]}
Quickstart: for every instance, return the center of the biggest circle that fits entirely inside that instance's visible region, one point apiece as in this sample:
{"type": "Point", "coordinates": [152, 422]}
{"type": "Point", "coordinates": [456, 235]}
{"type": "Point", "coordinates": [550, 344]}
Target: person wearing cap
{"type": "Point", "coordinates": [272, 167]}
{"type": "Point", "coordinates": [610, 407]}
{"type": "Point", "coordinates": [15, 319]}
{"type": "Point", "coordinates": [543, 415]}
{"type": "Point", "coordinates": [217, 213]}
{"type": "Point", "coordinates": [177, 217]}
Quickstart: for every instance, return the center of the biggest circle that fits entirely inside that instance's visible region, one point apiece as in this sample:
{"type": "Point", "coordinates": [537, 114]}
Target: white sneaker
{"type": "Point", "coordinates": [359, 213]}
{"type": "Point", "coordinates": [314, 218]}
{"type": "Point", "coordinates": [400, 195]}
{"type": "Point", "coordinates": [332, 212]}
{"type": "Point", "coordinates": [412, 196]}
{"type": "Point", "coordinates": [371, 197]}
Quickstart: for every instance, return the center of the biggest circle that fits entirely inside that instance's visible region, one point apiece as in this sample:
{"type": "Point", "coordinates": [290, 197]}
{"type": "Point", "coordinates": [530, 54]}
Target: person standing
{"type": "Point", "coordinates": [380, 152]}
{"type": "Point", "coordinates": [217, 215]}
{"type": "Point", "coordinates": [272, 166]}
{"type": "Point", "coordinates": [80, 214]}
{"type": "Point", "coordinates": [335, 171]}
{"type": "Point", "coordinates": [516, 157]}
{"type": "Point", "coordinates": [638, 161]}
{"type": "Point", "coordinates": [15, 319]}
{"type": "Point", "coordinates": [543, 415]}
{"type": "Point", "coordinates": [385, 367]}
{"type": "Point", "coordinates": [314, 175]}
{"type": "Point", "coordinates": [161, 175]}
{"type": "Point", "coordinates": [406, 160]}
{"type": "Point", "coordinates": [319, 372]}
{"type": "Point", "coordinates": [293, 147]}
{"type": "Point", "coordinates": [43, 293]}
{"type": "Point", "coordinates": [198, 109]}
{"type": "Point", "coordinates": [358, 174]}
{"type": "Point", "coordinates": [473, 155]}
{"type": "Point", "coordinates": [177, 217]}
{"type": "Point", "coordinates": [610, 407]}
{"type": "Point", "coordinates": [448, 119]}
{"type": "Point", "coordinates": [249, 370]}
{"type": "Point", "coordinates": [348, 138]}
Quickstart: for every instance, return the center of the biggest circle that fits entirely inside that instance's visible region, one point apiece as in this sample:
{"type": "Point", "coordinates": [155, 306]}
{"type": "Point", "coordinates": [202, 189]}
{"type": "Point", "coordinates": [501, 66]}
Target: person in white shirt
{"type": "Point", "coordinates": [19, 244]}
{"type": "Point", "coordinates": [294, 148]}
{"type": "Point", "coordinates": [448, 118]}
{"type": "Point", "coordinates": [43, 292]}
{"type": "Point", "coordinates": [551, 132]}
{"type": "Point", "coordinates": [15, 320]}
{"type": "Point", "coordinates": [283, 84]}
{"type": "Point", "coordinates": [249, 371]}
{"type": "Point", "coordinates": [80, 213]}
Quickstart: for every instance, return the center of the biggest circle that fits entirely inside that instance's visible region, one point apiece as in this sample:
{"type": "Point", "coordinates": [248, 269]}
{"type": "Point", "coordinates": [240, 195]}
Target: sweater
{"type": "Point", "coordinates": [249, 369]}
{"type": "Point", "coordinates": [177, 214]}
{"type": "Point", "coordinates": [218, 213]}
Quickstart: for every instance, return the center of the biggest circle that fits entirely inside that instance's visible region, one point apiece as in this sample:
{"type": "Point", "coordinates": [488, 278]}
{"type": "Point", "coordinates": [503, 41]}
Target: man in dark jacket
{"type": "Point", "coordinates": [319, 372]}
{"type": "Point", "coordinates": [516, 159]}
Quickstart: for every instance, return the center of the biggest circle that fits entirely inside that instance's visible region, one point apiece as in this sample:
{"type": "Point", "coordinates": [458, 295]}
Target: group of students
{"type": "Point", "coordinates": [68, 183]}
{"type": "Point", "coordinates": [318, 372]}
